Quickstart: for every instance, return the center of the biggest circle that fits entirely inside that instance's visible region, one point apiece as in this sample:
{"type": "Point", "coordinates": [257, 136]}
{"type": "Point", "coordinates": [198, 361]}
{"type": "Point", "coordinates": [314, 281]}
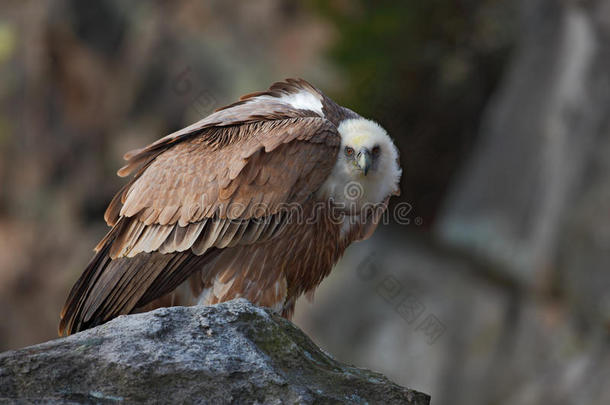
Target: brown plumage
{"type": "Point", "coordinates": [231, 203]}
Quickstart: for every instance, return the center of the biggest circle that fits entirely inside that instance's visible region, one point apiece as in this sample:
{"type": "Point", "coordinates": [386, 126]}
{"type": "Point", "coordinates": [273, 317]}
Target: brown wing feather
{"type": "Point", "coordinates": [250, 108]}
{"type": "Point", "coordinates": [274, 163]}
{"type": "Point", "coordinates": [192, 199]}
{"type": "Point", "coordinates": [108, 288]}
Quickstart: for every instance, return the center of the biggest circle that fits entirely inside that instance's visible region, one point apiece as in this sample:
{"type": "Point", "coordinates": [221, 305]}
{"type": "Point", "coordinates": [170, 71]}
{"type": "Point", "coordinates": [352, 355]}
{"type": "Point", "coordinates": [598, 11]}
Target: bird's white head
{"type": "Point", "coordinates": [367, 168]}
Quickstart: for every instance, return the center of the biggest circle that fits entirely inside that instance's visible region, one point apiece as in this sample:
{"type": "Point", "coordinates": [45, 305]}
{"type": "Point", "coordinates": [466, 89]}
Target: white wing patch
{"type": "Point", "coordinates": [302, 100]}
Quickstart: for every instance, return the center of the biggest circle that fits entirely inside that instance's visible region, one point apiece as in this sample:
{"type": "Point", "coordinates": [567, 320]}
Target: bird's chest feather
{"type": "Point", "coordinates": [351, 192]}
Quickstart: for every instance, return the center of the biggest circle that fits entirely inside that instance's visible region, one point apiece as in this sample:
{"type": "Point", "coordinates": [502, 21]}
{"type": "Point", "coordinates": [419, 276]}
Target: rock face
{"type": "Point", "coordinates": [233, 352]}
{"type": "Point", "coordinates": [538, 140]}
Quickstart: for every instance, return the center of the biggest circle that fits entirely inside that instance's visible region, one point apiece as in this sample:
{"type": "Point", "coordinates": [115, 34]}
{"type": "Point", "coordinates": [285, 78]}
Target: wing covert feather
{"type": "Point", "coordinates": [264, 167]}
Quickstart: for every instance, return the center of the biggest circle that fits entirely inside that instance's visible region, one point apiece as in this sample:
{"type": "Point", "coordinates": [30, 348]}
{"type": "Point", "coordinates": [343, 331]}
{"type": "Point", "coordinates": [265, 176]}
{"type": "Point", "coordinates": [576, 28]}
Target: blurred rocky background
{"type": "Point", "coordinates": [494, 292]}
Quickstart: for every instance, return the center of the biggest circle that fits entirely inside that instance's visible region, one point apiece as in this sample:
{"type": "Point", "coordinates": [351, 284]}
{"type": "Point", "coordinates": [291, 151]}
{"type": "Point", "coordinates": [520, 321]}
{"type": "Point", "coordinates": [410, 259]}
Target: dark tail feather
{"type": "Point", "coordinates": [70, 314]}
{"type": "Point", "coordinates": [112, 287]}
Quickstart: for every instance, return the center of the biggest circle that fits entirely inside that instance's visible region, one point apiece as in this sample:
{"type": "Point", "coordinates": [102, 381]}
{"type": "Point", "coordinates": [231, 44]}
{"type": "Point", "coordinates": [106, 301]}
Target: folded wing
{"type": "Point", "coordinates": [194, 194]}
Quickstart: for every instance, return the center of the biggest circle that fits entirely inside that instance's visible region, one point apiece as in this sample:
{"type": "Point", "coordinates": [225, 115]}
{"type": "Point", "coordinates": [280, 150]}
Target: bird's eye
{"type": "Point", "coordinates": [376, 150]}
{"type": "Point", "coordinates": [349, 151]}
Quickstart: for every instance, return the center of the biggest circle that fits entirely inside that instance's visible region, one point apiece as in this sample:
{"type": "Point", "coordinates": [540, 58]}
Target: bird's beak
{"type": "Point", "coordinates": [364, 160]}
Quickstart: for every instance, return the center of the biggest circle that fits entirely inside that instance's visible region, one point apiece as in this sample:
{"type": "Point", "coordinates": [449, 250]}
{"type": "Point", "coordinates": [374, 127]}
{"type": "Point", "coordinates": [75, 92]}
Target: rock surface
{"type": "Point", "coordinates": [232, 352]}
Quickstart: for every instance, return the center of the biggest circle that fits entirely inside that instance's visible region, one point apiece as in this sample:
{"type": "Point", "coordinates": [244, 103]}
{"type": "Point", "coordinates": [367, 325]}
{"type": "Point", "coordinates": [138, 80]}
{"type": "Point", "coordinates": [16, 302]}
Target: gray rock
{"type": "Point", "coordinates": [228, 353]}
